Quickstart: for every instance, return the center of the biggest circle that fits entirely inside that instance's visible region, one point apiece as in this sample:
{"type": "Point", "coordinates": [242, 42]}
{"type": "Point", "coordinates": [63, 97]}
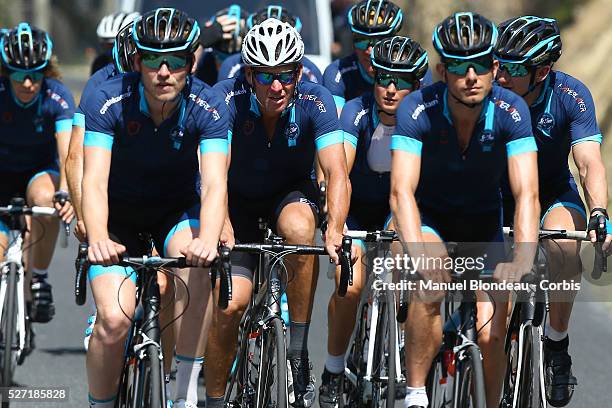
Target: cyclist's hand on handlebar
{"type": "Point", "coordinates": [62, 204]}
{"type": "Point", "coordinates": [600, 231]}
{"type": "Point", "coordinates": [80, 231]}
{"type": "Point", "coordinates": [105, 252]}
{"type": "Point", "coordinates": [333, 245]}
{"type": "Point", "coordinates": [511, 272]}
{"type": "Point", "coordinates": [200, 253]}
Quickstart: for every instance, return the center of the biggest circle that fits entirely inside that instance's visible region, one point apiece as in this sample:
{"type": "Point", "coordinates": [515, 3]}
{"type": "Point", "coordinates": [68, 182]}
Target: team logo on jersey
{"type": "Point", "coordinates": [248, 127]}
{"type": "Point", "coordinates": [546, 122]}
{"type": "Point", "coordinates": [133, 127]}
{"type": "Point", "coordinates": [7, 117]}
{"type": "Point", "coordinates": [291, 133]}
{"type": "Point", "coordinates": [487, 141]}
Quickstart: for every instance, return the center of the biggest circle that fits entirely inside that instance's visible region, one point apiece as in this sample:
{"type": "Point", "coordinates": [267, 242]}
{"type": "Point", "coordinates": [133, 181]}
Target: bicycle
{"type": "Point", "coordinates": [262, 376]}
{"type": "Point", "coordinates": [375, 365]}
{"type": "Point", "coordinates": [525, 382]}
{"type": "Point", "coordinates": [142, 382]}
{"type": "Point", "coordinates": [15, 325]}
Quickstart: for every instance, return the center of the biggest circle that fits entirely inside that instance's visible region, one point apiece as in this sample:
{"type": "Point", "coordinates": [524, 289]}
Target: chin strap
{"type": "Point", "coordinates": [532, 84]}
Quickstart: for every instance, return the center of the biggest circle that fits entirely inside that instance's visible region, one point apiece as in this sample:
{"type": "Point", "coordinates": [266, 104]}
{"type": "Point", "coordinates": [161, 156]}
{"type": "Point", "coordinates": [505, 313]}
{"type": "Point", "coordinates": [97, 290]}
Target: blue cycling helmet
{"type": "Point", "coordinates": [277, 12]}
{"type": "Point", "coordinates": [26, 48]}
{"type": "Point", "coordinates": [124, 49]}
{"type": "Point", "coordinates": [234, 44]}
{"type": "Point", "coordinates": [166, 30]}
{"type": "Point", "coordinates": [464, 35]}
{"type": "Point", "coordinates": [400, 54]}
{"type": "Point", "coordinates": [375, 18]}
{"type": "Point", "coordinates": [529, 40]}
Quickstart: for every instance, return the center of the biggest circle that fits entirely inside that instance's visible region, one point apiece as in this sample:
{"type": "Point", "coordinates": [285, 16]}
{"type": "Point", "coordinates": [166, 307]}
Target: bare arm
{"type": "Point", "coordinates": [63, 141]}
{"type": "Point", "coordinates": [213, 169]}
{"type": "Point", "coordinates": [592, 172]}
{"type": "Point", "coordinates": [74, 168]}
{"type": "Point", "coordinates": [96, 171]}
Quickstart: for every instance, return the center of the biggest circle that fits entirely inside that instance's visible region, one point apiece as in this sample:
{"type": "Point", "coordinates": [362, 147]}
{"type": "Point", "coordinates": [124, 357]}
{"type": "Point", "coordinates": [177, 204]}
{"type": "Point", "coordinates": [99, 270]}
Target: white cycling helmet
{"type": "Point", "coordinates": [110, 25]}
{"type": "Point", "coordinates": [271, 44]}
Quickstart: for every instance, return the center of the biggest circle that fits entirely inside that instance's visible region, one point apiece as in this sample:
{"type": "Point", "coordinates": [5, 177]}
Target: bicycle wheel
{"type": "Point", "coordinates": [469, 379]}
{"type": "Point", "coordinates": [356, 362]}
{"type": "Point", "coordinates": [384, 373]}
{"type": "Point", "coordinates": [435, 385]}
{"type": "Point", "coordinates": [9, 332]}
{"type": "Point", "coordinates": [129, 388]}
{"type": "Point", "coordinates": [153, 382]}
{"type": "Point", "coordinates": [529, 391]}
{"type": "Point", "coordinates": [272, 374]}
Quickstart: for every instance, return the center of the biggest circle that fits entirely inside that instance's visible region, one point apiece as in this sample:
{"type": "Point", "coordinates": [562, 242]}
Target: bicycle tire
{"type": "Point", "coordinates": [529, 392]}
{"type": "Point", "coordinates": [433, 385]}
{"type": "Point", "coordinates": [356, 362]}
{"type": "Point", "coordinates": [8, 326]}
{"type": "Point", "coordinates": [383, 392]}
{"type": "Point", "coordinates": [469, 379]}
{"type": "Point", "coordinates": [153, 381]}
{"type": "Point", "coordinates": [272, 374]}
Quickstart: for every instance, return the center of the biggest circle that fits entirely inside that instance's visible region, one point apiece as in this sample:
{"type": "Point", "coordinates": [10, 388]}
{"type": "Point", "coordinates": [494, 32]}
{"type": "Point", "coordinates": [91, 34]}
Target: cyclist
{"type": "Point", "coordinates": [234, 67]}
{"type": "Point", "coordinates": [231, 18]}
{"type": "Point", "coordinates": [451, 140]}
{"type": "Point", "coordinates": [563, 120]}
{"type": "Point", "coordinates": [165, 112]}
{"type": "Point", "coordinates": [278, 124]}
{"type": "Point", "coordinates": [37, 112]}
{"type": "Point", "coordinates": [368, 122]}
{"type": "Point", "coordinates": [107, 30]}
{"type": "Point", "coordinates": [370, 21]}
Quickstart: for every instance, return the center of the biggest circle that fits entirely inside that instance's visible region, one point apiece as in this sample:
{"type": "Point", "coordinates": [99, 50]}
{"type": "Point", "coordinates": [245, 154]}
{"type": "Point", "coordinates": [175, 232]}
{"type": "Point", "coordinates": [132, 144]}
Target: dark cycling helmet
{"type": "Point", "coordinates": [277, 12]}
{"type": "Point", "coordinates": [400, 54]}
{"type": "Point", "coordinates": [124, 49]}
{"type": "Point", "coordinates": [166, 30]}
{"type": "Point", "coordinates": [26, 48]}
{"type": "Point", "coordinates": [375, 18]}
{"type": "Point", "coordinates": [234, 44]}
{"type": "Point", "coordinates": [530, 40]}
{"type": "Point", "coordinates": [464, 35]}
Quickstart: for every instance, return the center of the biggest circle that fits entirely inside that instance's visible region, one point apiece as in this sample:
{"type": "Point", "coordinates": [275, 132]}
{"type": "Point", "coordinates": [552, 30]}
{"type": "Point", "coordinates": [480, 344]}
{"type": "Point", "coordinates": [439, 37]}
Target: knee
{"type": "Point", "coordinates": [230, 316]}
{"type": "Point", "coordinates": [41, 197]}
{"type": "Point", "coordinates": [300, 230]}
{"type": "Point", "coordinates": [111, 326]}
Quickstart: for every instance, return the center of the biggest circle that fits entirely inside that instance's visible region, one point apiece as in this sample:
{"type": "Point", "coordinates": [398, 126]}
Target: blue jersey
{"type": "Point", "coordinates": [346, 79]}
{"type": "Point", "coordinates": [563, 116]}
{"type": "Point", "coordinates": [451, 180]}
{"type": "Point", "coordinates": [157, 163]}
{"type": "Point", "coordinates": [27, 131]}
{"type": "Point", "coordinates": [359, 121]}
{"type": "Point", "coordinates": [233, 67]}
{"type": "Point", "coordinates": [261, 168]}
{"type": "Point", "coordinates": [99, 77]}
{"type": "Point", "coordinates": [206, 69]}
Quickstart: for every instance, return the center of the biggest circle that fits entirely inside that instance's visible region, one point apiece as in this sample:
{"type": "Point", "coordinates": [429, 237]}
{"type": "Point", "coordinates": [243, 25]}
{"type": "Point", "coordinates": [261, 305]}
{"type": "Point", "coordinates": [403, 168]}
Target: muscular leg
{"type": "Point", "coordinates": [43, 230]}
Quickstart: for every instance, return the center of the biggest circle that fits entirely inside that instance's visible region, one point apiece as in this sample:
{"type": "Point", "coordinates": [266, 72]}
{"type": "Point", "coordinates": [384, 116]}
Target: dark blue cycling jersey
{"type": "Point", "coordinates": [149, 162]}
{"type": "Point", "coordinates": [359, 120]}
{"type": "Point", "coordinates": [99, 77]}
{"type": "Point", "coordinates": [206, 69]}
{"type": "Point", "coordinates": [261, 168]}
{"type": "Point", "coordinates": [462, 182]}
{"type": "Point", "coordinates": [563, 116]}
{"type": "Point", "coordinates": [28, 130]}
{"type": "Point", "coordinates": [346, 79]}
{"type": "Point", "coordinates": [233, 67]}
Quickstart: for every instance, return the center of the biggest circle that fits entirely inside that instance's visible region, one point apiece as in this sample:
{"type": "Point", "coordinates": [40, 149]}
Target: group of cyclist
{"type": "Point", "coordinates": [195, 147]}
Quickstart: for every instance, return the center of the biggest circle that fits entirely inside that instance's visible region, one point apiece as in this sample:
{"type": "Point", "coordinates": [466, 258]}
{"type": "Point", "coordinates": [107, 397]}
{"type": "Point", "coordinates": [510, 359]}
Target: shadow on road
{"type": "Point", "coordinates": [63, 351]}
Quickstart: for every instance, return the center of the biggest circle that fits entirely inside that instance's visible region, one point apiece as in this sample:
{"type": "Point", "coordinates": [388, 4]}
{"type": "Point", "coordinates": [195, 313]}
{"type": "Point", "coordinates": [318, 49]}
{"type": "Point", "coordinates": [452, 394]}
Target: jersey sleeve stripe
{"type": "Point", "coordinates": [78, 120]}
{"type": "Point", "coordinates": [595, 138]}
{"type": "Point", "coordinates": [406, 144]}
{"type": "Point", "coordinates": [340, 101]}
{"type": "Point", "coordinates": [352, 139]}
{"type": "Point", "coordinates": [328, 139]}
{"type": "Point", "coordinates": [524, 145]}
{"type": "Point", "coordinates": [64, 125]}
{"type": "Point", "coordinates": [213, 146]}
{"type": "Point", "coordinates": [229, 136]}
{"type": "Point", "coordinates": [97, 139]}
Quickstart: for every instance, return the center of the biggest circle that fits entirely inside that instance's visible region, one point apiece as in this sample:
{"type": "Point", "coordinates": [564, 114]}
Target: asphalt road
{"type": "Point", "coordinates": [59, 359]}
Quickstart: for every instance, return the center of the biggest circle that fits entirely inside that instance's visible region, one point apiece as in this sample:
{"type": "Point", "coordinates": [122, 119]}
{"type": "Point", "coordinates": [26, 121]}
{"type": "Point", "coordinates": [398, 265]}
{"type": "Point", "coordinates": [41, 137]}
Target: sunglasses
{"type": "Point", "coordinates": [174, 62]}
{"type": "Point", "coordinates": [363, 44]}
{"type": "Point", "coordinates": [20, 76]}
{"type": "Point", "coordinates": [514, 69]}
{"type": "Point", "coordinates": [401, 84]}
{"type": "Point", "coordinates": [481, 65]}
{"type": "Point", "coordinates": [266, 78]}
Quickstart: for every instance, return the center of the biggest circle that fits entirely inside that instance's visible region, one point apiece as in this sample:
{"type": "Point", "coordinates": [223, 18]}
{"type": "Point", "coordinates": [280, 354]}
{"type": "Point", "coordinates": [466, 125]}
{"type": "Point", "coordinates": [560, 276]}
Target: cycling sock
{"type": "Point", "coordinates": [187, 372]}
{"type": "Point", "coordinates": [215, 402]}
{"type": "Point", "coordinates": [335, 364]}
{"type": "Point", "coordinates": [416, 396]}
{"type": "Point", "coordinates": [107, 403]}
{"type": "Point", "coordinates": [39, 273]}
{"type": "Point", "coordinates": [557, 345]}
{"type": "Point", "coordinates": [298, 344]}
{"type": "Point", "coordinates": [553, 334]}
